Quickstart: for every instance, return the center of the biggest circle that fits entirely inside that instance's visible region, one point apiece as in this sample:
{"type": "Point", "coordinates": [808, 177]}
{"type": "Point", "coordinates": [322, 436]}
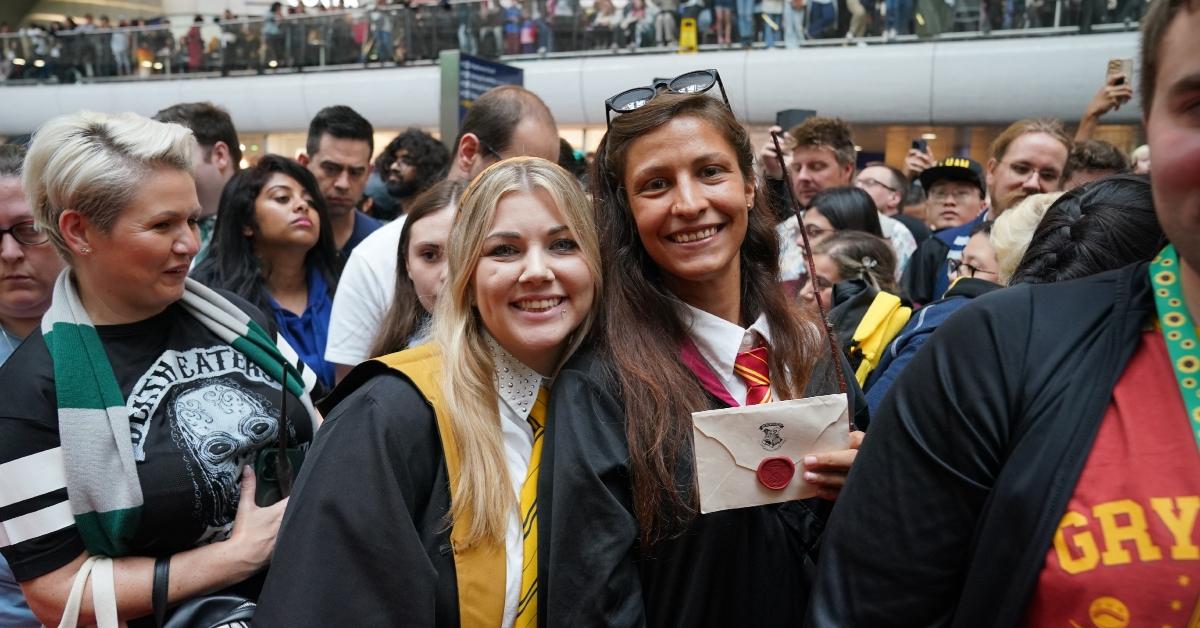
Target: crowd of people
{"type": "Point", "coordinates": [494, 389]}
{"type": "Point", "coordinates": [396, 31]}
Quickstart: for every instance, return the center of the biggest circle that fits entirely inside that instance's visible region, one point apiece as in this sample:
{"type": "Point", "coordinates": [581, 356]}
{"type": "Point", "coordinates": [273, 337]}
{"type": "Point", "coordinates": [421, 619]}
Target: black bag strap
{"type": "Point", "coordinates": [283, 464]}
{"type": "Point", "coordinates": [162, 576]}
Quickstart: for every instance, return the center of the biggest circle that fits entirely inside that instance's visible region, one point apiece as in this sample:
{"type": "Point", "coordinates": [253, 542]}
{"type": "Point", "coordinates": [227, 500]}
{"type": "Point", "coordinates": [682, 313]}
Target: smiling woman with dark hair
{"type": "Point", "coordinates": [273, 246]}
{"type": "Point", "coordinates": [694, 321]}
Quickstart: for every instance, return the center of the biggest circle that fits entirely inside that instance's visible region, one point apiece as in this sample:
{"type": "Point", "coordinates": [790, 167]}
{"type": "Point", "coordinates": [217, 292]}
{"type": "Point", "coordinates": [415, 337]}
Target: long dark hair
{"type": "Point", "coordinates": [230, 262]}
{"type": "Point", "coordinates": [1103, 225]}
{"type": "Point", "coordinates": [848, 208]}
{"type": "Point", "coordinates": [643, 331]}
{"type": "Point", "coordinates": [406, 314]}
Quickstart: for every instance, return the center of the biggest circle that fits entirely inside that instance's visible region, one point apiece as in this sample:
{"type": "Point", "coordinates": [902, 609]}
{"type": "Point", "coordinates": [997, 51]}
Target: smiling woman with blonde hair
{"type": "Point", "coordinates": [129, 418]}
{"type": "Point", "coordinates": [421, 493]}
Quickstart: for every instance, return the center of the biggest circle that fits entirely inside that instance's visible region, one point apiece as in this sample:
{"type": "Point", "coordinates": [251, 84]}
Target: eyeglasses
{"type": "Point", "coordinates": [960, 196]}
{"type": "Point", "coordinates": [869, 182]}
{"type": "Point", "coordinates": [491, 151]}
{"type": "Point", "coordinates": [26, 233]}
{"type": "Point", "coordinates": [1024, 170]}
{"type": "Point", "coordinates": [963, 269]}
{"type": "Point", "coordinates": [694, 82]}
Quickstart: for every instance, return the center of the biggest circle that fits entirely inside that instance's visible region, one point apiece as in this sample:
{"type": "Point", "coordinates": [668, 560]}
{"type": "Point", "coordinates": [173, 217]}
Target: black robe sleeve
{"type": "Point", "coordinates": [898, 541]}
{"type": "Point", "coordinates": [364, 540]}
{"type": "Point", "coordinates": [919, 278]}
{"type": "Point", "coordinates": [587, 529]}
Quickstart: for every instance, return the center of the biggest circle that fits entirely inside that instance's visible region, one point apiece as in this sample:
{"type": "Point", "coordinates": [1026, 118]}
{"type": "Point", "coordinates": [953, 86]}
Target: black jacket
{"type": "Point", "coordinates": [743, 567]}
{"type": "Point", "coordinates": [952, 504]}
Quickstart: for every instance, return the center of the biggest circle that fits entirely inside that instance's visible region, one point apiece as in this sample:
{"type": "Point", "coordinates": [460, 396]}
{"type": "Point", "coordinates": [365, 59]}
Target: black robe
{"type": "Point", "coordinates": [364, 541]}
{"type": "Point", "coordinates": [743, 567]}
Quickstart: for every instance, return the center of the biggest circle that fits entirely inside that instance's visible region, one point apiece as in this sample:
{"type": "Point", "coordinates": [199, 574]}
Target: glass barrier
{"type": "Point", "coordinates": [417, 32]}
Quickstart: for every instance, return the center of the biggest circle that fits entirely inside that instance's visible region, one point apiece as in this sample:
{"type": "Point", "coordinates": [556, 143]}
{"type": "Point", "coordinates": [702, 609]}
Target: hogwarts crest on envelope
{"type": "Point", "coordinates": [732, 442]}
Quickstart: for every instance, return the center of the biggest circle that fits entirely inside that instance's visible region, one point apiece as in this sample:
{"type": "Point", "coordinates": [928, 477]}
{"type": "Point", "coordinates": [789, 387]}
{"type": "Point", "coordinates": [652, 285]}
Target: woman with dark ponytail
{"type": "Point", "coordinates": [692, 262]}
{"type": "Point", "coordinates": [1100, 226]}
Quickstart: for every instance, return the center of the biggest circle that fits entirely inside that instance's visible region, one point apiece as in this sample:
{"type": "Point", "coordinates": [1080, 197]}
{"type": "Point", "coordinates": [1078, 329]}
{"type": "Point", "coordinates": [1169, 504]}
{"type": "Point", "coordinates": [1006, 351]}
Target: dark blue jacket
{"type": "Point", "coordinates": [923, 323]}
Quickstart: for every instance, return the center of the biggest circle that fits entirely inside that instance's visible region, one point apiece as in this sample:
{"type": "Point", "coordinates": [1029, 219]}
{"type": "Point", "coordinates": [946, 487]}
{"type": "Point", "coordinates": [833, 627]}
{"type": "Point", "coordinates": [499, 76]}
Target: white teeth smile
{"type": "Point", "coordinates": [684, 238]}
{"type": "Point", "coordinates": [540, 305]}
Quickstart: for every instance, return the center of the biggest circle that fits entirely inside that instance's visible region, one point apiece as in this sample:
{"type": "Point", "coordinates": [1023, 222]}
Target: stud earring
{"type": "Point", "coordinates": [85, 250]}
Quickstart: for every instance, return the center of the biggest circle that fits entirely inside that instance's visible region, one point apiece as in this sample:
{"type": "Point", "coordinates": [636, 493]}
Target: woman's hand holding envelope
{"type": "Point", "coordinates": [828, 471]}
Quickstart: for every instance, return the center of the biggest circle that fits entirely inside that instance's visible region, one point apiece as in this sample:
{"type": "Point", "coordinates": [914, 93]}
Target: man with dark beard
{"type": "Point", "coordinates": [412, 162]}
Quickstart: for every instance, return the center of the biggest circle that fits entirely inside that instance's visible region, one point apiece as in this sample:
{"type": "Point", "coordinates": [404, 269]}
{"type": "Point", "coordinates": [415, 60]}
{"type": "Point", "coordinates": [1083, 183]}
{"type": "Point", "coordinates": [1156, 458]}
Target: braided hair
{"type": "Point", "coordinates": [1103, 225]}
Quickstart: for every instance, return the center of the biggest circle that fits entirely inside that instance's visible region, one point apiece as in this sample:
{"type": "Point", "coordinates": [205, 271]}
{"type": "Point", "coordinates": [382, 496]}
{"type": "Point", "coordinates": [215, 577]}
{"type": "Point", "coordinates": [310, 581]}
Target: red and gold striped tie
{"type": "Point", "coordinates": [753, 367]}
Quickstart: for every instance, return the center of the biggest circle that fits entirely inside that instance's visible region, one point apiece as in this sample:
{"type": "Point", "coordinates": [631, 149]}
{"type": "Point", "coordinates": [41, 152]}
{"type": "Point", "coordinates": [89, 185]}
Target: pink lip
{"type": "Point", "coordinates": [302, 222]}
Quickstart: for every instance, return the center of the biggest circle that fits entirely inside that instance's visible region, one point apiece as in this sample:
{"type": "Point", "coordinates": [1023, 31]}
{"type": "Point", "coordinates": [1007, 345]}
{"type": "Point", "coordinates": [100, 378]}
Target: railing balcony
{"type": "Point", "coordinates": [417, 33]}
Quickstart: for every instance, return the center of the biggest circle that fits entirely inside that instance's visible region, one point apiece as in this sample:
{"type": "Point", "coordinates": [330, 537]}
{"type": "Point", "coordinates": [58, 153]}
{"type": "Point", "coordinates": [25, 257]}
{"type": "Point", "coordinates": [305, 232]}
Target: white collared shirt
{"type": "Point", "coordinates": [720, 341]}
{"type": "Point", "coordinates": [517, 387]}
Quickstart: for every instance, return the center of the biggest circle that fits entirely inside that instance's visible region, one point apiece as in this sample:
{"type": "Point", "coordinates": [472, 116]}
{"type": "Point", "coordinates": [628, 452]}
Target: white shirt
{"type": "Point", "coordinates": [720, 341]}
{"type": "Point", "coordinates": [791, 255]}
{"type": "Point", "coordinates": [518, 386]}
{"type": "Point", "coordinates": [364, 294]}
{"type": "Point", "coordinates": [901, 239]}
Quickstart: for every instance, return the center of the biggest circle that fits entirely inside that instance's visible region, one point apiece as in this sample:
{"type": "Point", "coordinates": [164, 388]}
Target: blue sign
{"type": "Point", "coordinates": [476, 76]}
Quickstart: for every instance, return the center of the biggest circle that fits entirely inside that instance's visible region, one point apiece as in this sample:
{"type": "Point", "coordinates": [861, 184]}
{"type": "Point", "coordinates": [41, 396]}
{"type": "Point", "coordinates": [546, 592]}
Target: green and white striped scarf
{"type": "Point", "coordinates": [93, 422]}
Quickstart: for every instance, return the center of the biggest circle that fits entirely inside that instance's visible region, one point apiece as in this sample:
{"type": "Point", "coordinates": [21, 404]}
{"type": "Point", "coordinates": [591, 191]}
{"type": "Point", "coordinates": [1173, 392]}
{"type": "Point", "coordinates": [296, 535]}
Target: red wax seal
{"type": "Point", "coordinates": [776, 472]}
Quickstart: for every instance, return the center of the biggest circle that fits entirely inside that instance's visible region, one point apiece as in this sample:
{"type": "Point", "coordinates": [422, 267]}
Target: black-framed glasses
{"type": "Point", "coordinates": [963, 269]}
{"type": "Point", "coordinates": [694, 82]}
{"type": "Point", "coordinates": [869, 182]}
{"type": "Point", "coordinates": [491, 151]}
{"type": "Point", "coordinates": [27, 233]}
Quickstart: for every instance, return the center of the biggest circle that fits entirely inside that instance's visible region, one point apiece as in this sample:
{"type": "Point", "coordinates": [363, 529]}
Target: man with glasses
{"type": "Point", "coordinates": [956, 195]}
{"type": "Point", "coordinates": [28, 268]}
{"type": "Point", "coordinates": [888, 187]}
{"type": "Point", "coordinates": [1029, 157]}
{"type": "Point", "coordinates": [507, 121]}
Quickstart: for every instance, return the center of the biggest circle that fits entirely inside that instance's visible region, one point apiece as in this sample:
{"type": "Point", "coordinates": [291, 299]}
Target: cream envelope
{"type": "Point", "coordinates": [730, 443]}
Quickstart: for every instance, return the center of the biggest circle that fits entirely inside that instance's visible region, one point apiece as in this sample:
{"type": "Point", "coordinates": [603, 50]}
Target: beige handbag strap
{"type": "Point", "coordinates": [104, 595]}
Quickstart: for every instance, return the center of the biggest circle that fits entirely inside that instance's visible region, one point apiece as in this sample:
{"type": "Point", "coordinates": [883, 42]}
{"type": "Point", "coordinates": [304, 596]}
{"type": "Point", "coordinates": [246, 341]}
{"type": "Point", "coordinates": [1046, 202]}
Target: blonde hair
{"type": "Point", "coordinates": [1049, 126]}
{"type": "Point", "coordinates": [1013, 230]}
{"type": "Point", "coordinates": [93, 163]}
{"type": "Point", "coordinates": [469, 380]}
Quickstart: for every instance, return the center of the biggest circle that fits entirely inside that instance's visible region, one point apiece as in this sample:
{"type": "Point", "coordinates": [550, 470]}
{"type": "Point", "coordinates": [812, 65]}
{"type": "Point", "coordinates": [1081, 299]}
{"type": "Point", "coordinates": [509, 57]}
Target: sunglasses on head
{"type": "Point", "coordinates": [694, 82]}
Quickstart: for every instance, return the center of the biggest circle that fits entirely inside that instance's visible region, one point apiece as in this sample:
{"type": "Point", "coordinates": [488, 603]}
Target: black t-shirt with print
{"type": "Point", "coordinates": [199, 411]}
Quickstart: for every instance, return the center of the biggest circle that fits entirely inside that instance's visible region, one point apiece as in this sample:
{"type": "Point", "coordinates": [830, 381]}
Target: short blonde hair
{"type": "Point", "coordinates": [469, 380]}
{"type": "Point", "coordinates": [1014, 229]}
{"type": "Point", "coordinates": [93, 163]}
